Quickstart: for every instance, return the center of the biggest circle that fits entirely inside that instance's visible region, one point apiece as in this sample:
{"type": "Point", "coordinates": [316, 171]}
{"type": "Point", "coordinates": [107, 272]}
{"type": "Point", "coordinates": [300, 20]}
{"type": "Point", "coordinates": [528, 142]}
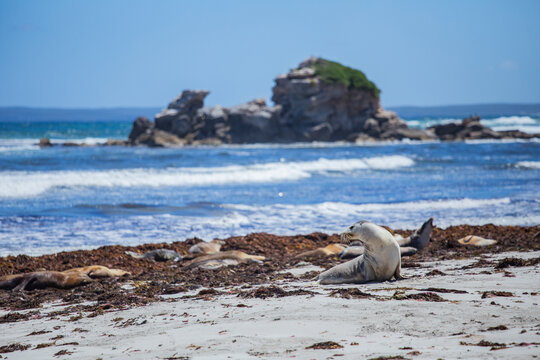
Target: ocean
{"type": "Point", "coordinates": [66, 198]}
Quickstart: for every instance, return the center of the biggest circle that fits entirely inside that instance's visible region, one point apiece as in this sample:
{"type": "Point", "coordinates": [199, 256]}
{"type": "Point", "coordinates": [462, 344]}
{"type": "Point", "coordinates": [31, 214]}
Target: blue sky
{"type": "Point", "coordinates": [143, 53]}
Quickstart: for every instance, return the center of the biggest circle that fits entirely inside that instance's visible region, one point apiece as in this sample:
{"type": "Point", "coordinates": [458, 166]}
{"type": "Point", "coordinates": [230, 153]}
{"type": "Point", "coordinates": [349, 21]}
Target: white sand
{"type": "Point", "coordinates": [283, 327]}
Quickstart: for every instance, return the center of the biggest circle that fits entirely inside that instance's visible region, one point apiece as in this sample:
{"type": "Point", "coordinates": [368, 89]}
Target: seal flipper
{"type": "Point", "coordinates": [397, 273]}
{"type": "Point", "coordinates": [407, 251]}
{"type": "Point", "coordinates": [134, 254]}
{"type": "Point", "coordinates": [420, 238]}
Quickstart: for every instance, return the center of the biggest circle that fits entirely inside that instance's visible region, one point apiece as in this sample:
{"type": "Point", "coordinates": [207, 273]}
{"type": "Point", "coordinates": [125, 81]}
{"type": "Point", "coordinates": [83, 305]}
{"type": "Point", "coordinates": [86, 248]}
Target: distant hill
{"type": "Point", "coordinates": [21, 114]}
{"type": "Point", "coordinates": [460, 111]}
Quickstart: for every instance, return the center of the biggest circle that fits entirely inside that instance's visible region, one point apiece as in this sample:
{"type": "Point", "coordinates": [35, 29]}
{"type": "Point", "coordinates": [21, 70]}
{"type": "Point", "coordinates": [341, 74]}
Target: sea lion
{"type": "Point", "coordinates": [97, 271]}
{"type": "Point", "coordinates": [380, 261]}
{"type": "Point", "coordinates": [44, 279]}
{"type": "Point", "coordinates": [157, 255]}
{"type": "Point", "coordinates": [232, 257]}
{"type": "Point", "coordinates": [420, 238]}
{"type": "Point", "coordinates": [476, 241]}
{"type": "Point", "coordinates": [417, 241]}
{"type": "Point", "coordinates": [210, 247]}
{"type": "Point", "coordinates": [328, 250]}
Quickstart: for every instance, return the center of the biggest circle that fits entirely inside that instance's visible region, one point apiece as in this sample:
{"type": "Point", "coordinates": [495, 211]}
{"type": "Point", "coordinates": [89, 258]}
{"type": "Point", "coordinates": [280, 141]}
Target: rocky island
{"type": "Point", "coordinates": [320, 100]}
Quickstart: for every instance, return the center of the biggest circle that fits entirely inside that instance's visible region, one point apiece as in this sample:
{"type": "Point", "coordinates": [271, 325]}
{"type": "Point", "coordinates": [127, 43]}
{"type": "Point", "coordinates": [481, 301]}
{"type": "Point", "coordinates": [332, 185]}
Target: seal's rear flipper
{"type": "Point", "coordinates": [420, 238]}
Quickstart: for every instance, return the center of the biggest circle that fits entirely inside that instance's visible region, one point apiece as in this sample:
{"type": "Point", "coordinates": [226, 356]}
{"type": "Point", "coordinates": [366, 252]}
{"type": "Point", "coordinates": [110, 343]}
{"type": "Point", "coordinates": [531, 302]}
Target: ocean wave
{"type": "Point", "coordinates": [340, 208]}
{"type": "Point", "coordinates": [7, 145]}
{"type": "Point", "coordinates": [27, 184]}
{"type": "Point", "coordinates": [529, 164]}
{"type": "Point", "coordinates": [523, 123]}
{"type": "Point", "coordinates": [38, 235]}
{"type": "Point", "coordinates": [510, 120]}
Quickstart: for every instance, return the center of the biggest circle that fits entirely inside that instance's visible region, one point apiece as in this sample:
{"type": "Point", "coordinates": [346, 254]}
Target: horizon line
{"type": "Point", "coordinates": [121, 107]}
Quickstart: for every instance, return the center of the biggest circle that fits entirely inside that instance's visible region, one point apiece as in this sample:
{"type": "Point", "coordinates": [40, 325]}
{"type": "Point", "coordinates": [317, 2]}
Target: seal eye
{"type": "Point", "coordinates": [351, 227]}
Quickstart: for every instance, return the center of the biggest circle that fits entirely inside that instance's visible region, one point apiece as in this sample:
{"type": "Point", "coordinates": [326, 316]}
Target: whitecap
{"type": "Point", "coordinates": [31, 183]}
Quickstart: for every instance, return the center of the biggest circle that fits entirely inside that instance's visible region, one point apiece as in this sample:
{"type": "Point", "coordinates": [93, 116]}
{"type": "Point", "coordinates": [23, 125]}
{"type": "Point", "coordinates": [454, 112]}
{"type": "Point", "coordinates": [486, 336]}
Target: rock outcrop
{"type": "Point", "coordinates": [319, 101]}
{"type": "Point", "coordinates": [471, 129]}
{"type": "Point", "coordinates": [324, 101]}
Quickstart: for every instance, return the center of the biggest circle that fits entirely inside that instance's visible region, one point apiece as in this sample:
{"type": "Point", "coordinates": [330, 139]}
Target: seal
{"type": "Point", "coordinates": [44, 279]}
{"type": "Point", "coordinates": [476, 241]}
{"type": "Point", "coordinates": [210, 247]}
{"type": "Point", "coordinates": [97, 271]}
{"type": "Point", "coordinates": [420, 238]}
{"type": "Point", "coordinates": [232, 257]}
{"type": "Point", "coordinates": [328, 250]}
{"type": "Point", "coordinates": [380, 261]}
{"type": "Point", "coordinates": [408, 246]}
{"type": "Point", "coordinates": [157, 255]}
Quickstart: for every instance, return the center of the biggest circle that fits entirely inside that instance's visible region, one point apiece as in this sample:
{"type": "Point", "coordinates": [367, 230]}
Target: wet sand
{"type": "Point", "coordinates": [456, 302]}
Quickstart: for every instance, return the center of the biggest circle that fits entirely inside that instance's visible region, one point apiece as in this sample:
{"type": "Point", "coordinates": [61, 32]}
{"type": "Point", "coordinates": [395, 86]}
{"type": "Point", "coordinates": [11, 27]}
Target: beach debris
{"type": "Point", "coordinates": [493, 293]}
{"type": "Point", "coordinates": [476, 241]}
{"type": "Point", "coordinates": [13, 347]}
{"type": "Point", "coordinates": [157, 255]}
{"type": "Point", "coordinates": [517, 262]}
{"type": "Point", "coordinates": [264, 292]}
{"type": "Point", "coordinates": [496, 328]}
{"type": "Point", "coordinates": [63, 352]}
{"type": "Point", "coordinates": [40, 332]}
{"type": "Point", "coordinates": [350, 293]}
{"type": "Point", "coordinates": [441, 290]}
{"type": "Point", "coordinates": [326, 345]}
{"type": "Point", "coordinates": [205, 294]}
{"type": "Point", "coordinates": [423, 296]}
{"type": "Point", "coordinates": [436, 272]}
{"type": "Point", "coordinates": [493, 345]}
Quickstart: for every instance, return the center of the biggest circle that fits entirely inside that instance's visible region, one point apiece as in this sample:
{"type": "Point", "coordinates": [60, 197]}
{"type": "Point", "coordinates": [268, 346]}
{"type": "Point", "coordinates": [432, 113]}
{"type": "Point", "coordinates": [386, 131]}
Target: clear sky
{"type": "Point", "coordinates": [143, 53]}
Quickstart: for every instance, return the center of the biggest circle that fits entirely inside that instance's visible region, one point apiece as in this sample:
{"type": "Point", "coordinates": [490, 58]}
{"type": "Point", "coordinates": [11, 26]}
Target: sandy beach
{"type": "Point", "coordinates": [454, 303]}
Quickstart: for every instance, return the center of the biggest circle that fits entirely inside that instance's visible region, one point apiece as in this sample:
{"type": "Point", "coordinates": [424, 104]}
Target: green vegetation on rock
{"type": "Point", "coordinates": [332, 72]}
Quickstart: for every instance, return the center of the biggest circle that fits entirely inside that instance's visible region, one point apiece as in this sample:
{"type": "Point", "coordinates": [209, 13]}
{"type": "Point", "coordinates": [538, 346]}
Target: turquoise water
{"type": "Point", "coordinates": [65, 198]}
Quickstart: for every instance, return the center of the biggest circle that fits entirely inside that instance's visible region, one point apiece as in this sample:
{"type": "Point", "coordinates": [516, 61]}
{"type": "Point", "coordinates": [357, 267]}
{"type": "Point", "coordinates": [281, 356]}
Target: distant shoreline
{"type": "Point", "coordinates": [22, 113]}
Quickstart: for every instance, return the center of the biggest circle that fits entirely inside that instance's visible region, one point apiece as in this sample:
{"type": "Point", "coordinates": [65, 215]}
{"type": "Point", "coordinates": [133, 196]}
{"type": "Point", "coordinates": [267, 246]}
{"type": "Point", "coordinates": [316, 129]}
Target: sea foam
{"type": "Point", "coordinates": [39, 236]}
{"type": "Point", "coordinates": [27, 183]}
{"type": "Point", "coordinates": [529, 164]}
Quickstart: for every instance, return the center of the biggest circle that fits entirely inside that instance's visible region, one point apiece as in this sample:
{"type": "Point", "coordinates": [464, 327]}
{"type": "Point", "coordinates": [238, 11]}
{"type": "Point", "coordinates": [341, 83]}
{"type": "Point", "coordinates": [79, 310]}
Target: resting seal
{"type": "Point", "coordinates": [476, 241]}
{"type": "Point", "coordinates": [328, 250]}
{"type": "Point", "coordinates": [97, 271]}
{"type": "Point", "coordinates": [381, 259]}
{"type": "Point", "coordinates": [211, 247]}
{"type": "Point", "coordinates": [157, 255]}
{"type": "Point", "coordinates": [44, 279]}
{"type": "Point", "coordinates": [232, 257]}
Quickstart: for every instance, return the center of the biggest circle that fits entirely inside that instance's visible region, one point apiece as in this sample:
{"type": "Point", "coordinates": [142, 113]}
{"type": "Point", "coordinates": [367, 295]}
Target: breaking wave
{"type": "Point", "coordinates": [27, 183]}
